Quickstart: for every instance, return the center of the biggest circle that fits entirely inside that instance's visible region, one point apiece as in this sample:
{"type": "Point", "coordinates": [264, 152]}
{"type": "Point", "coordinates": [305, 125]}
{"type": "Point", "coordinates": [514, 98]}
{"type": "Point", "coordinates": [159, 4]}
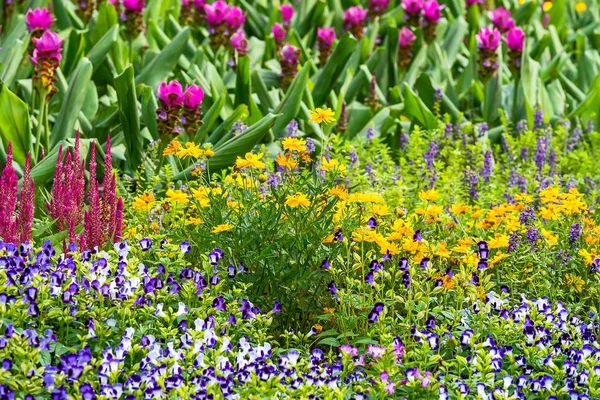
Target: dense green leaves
{"type": "Point", "coordinates": [14, 124]}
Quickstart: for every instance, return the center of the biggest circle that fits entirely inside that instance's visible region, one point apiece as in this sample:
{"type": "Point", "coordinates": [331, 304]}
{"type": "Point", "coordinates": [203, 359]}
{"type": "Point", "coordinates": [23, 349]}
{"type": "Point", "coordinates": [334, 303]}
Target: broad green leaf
{"type": "Point", "coordinates": [414, 108]}
{"type": "Point", "coordinates": [72, 102]}
{"type": "Point", "coordinates": [290, 105]}
{"type": "Point", "coordinates": [149, 106]}
{"type": "Point", "coordinates": [14, 124]}
{"type": "Point", "coordinates": [333, 69]}
{"type": "Point", "coordinates": [102, 48]}
{"type": "Point", "coordinates": [130, 120]}
{"type": "Point", "coordinates": [160, 67]}
{"type": "Point", "coordinates": [209, 119]}
{"type": "Point", "coordinates": [242, 82]}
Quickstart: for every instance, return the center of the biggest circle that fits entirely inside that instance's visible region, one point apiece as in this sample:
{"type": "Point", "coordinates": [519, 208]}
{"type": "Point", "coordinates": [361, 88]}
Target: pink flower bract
{"type": "Point", "coordinates": [193, 95]}
{"type": "Point", "coordinates": [171, 94]}
{"type": "Point", "coordinates": [39, 18]}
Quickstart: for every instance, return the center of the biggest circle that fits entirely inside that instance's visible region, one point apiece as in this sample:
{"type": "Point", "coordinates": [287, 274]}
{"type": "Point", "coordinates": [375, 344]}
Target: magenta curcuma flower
{"type": "Point", "coordinates": [191, 118]}
{"type": "Point", "coordinates": [289, 58]}
{"type": "Point", "coordinates": [488, 41]}
{"type": "Point", "coordinates": [378, 7]}
{"type": "Point", "coordinates": [132, 18]}
{"type": "Point", "coordinates": [171, 94]}
{"type": "Point", "coordinates": [48, 47]}
{"type": "Point", "coordinates": [279, 33]}
{"type": "Point", "coordinates": [287, 12]}
{"type": "Point", "coordinates": [501, 19]}
{"type": "Point", "coordinates": [134, 5]}
{"type": "Point", "coordinates": [354, 20]}
{"type": "Point", "coordinates": [432, 11]}
{"type": "Point", "coordinates": [515, 40]}
{"type": "Point", "coordinates": [235, 18]}
{"type": "Point", "coordinates": [39, 19]}
{"type": "Point", "coordinates": [325, 39]}
{"type": "Point", "coordinates": [471, 3]}
{"type": "Point", "coordinates": [412, 10]}
{"type": "Point", "coordinates": [193, 95]}
{"type": "Point", "coordinates": [406, 38]}
{"type": "Point", "coordinates": [239, 43]}
{"type": "Point", "coordinates": [216, 13]}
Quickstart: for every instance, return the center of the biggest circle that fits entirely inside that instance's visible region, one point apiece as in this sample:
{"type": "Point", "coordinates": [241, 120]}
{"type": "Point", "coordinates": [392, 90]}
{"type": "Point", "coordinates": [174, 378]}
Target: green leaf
{"type": "Point", "coordinates": [149, 106]}
{"type": "Point", "coordinates": [529, 73]}
{"type": "Point", "coordinates": [209, 119]}
{"type": "Point", "coordinates": [14, 124]}
{"type": "Point", "coordinates": [330, 341]}
{"type": "Point", "coordinates": [72, 102]}
{"type": "Point", "coordinates": [242, 82]}
{"type": "Point", "coordinates": [130, 120]}
{"type": "Point", "coordinates": [290, 105]}
{"type": "Point", "coordinates": [333, 69]}
{"type": "Point", "coordinates": [159, 68]}
{"type": "Point", "coordinates": [12, 60]}
{"type": "Point", "coordinates": [101, 49]}
{"type": "Point", "coordinates": [414, 108]}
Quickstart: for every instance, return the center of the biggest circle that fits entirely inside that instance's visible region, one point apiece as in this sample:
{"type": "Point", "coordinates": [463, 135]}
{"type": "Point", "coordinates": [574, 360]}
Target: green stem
{"type": "Point", "coordinates": [40, 125]}
{"type": "Point", "coordinates": [515, 99]}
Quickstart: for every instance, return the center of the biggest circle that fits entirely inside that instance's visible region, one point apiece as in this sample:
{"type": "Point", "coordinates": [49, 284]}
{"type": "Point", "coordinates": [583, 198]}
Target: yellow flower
{"type": "Point", "coordinates": [547, 6]}
{"type": "Point", "coordinates": [294, 144]}
{"type": "Point", "coordinates": [172, 148]}
{"type": "Point", "coordinates": [251, 160]}
{"type": "Point", "coordinates": [580, 7]}
{"type": "Point", "coordinates": [498, 241]}
{"type": "Point", "coordinates": [193, 221]}
{"type": "Point", "coordinates": [429, 195]}
{"type": "Point", "coordinates": [222, 228]}
{"type": "Point", "coordinates": [380, 209]}
{"type": "Point", "coordinates": [329, 310]}
{"type": "Point", "coordinates": [550, 237]}
{"type": "Point", "coordinates": [458, 209]}
{"type": "Point", "coordinates": [143, 202]}
{"type": "Point", "coordinates": [177, 196]}
{"type": "Point", "coordinates": [339, 191]}
{"type": "Point", "coordinates": [297, 200]}
{"type": "Point", "coordinates": [331, 164]}
{"type": "Point", "coordinates": [320, 115]}
{"type": "Point", "coordinates": [575, 281]}
{"type": "Point", "coordinates": [190, 150]}
{"type": "Point", "coordinates": [201, 194]}
{"type": "Point", "coordinates": [208, 151]}
{"type": "Point", "coordinates": [285, 161]}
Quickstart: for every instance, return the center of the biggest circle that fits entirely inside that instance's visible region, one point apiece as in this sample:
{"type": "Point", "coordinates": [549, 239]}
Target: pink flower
{"type": "Point", "coordinates": [216, 13]}
{"type": "Point", "coordinates": [134, 5]}
{"type": "Point", "coordinates": [290, 54]}
{"type": "Point", "coordinates": [378, 6]}
{"type": "Point", "coordinates": [47, 47]}
{"type": "Point", "coordinates": [354, 17]}
{"type": "Point", "coordinates": [40, 18]}
{"type": "Point", "coordinates": [426, 381]}
{"type": "Point", "coordinates": [279, 32]}
{"type": "Point", "coordinates": [432, 11]}
{"type": "Point", "coordinates": [501, 19]}
{"type": "Point", "coordinates": [200, 4]}
{"type": "Point", "coordinates": [193, 95]}
{"type": "Point", "coordinates": [326, 36]}
{"type": "Point", "coordinates": [235, 18]}
{"type": "Point", "coordinates": [412, 8]}
{"type": "Point", "coordinates": [406, 38]}
{"type": "Point", "coordinates": [287, 12]}
{"type": "Point", "coordinates": [473, 2]}
{"type": "Point", "coordinates": [239, 42]}
{"type": "Point", "coordinates": [390, 387]}
{"type": "Point", "coordinates": [515, 39]}
{"type": "Point", "coordinates": [376, 351]}
{"type": "Point", "coordinates": [349, 350]}
{"type": "Point", "coordinates": [488, 39]}
{"type": "Point", "coordinates": [171, 94]}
